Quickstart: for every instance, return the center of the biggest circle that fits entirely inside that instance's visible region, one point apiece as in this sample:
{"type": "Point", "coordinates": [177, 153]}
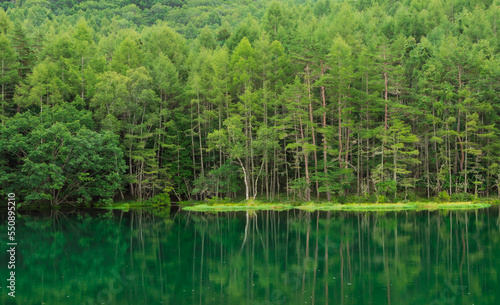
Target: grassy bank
{"type": "Point", "coordinates": [226, 205]}
{"type": "Point", "coordinates": [453, 205]}
{"type": "Point", "coordinates": [361, 207]}
{"type": "Point", "coordinates": [238, 207]}
{"type": "Point", "coordinates": [394, 206]}
{"type": "Point", "coordinates": [357, 207]}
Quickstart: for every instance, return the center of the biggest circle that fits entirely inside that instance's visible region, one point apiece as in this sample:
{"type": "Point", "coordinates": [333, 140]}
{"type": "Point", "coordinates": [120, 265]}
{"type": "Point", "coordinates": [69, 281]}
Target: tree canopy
{"type": "Point", "coordinates": [306, 100]}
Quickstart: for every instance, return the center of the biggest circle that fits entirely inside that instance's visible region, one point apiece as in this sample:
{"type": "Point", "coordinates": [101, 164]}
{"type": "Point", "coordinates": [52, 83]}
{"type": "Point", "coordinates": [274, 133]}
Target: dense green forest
{"type": "Point", "coordinates": [280, 100]}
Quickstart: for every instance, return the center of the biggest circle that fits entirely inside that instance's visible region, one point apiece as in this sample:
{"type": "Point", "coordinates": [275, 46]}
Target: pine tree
{"type": "Point", "coordinates": [8, 76]}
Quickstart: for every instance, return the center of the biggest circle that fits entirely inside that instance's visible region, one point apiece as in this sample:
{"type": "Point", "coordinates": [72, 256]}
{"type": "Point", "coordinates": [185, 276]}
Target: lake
{"type": "Point", "coordinates": [261, 258]}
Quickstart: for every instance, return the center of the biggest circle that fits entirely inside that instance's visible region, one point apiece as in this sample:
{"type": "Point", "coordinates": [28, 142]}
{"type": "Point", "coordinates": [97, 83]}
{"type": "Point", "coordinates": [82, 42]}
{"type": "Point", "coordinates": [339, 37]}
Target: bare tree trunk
{"type": "Point", "coordinates": [199, 138]}
{"type": "Point", "coordinates": [386, 115]}
{"type": "Point", "coordinates": [306, 160]}
{"type": "Point", "coordinates": [438, 186]}
{"type": "Point", "coordinates": [465, 161]}
{"type": "Point", "coordinates": [3, 92]}
{"type": "Point", "coordinates": [192, 144]}
{"type": "Point", "coordinates": [245, 178]}
{"type": "Point", "coordinates": [82, 76]}
{"type": "Point", "coordinates": [312, 130]}
{"type": "Point", "coordinates": [340, 131]}
{"type": "Point", "coordinates": [323, 123]}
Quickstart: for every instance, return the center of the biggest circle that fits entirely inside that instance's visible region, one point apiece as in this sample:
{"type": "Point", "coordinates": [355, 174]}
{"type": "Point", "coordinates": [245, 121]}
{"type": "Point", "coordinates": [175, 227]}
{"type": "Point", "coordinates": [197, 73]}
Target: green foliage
{"type": "Point", "coordinates": [5, 23]}
{"type": "Point", "coordinates": [381, 199]}
{"type": "Point", "coordinates": [461, 197]}
{"type": "Point", "coordinates": [217, 200]}
{"type": "Point", "coordinates": [9, 72]}
{"type": "Point", "coordinates": [386, 187]}
{"type": "Point", "coordinates": [299, 188]}
{"type": "Point", "coordinates": [269, 99]}
{"type": "Point", "coordinates": [222, 180]}
{"type": "Point", "coordinates": [162, 199]}
{"type": "Point", "coordinates": [206, 39]}
{"type": "Point", "coordinates": [63, 161]}
{"type": "Point", "coordinates": [444, 197]}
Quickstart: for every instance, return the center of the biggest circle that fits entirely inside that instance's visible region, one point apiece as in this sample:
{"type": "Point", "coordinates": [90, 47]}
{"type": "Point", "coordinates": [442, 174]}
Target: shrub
{"type": "Point", "coordinates": [372, 198]}
{"type": "Point", "coordinates": [342, 199]}
{"type": "Point", "coordinates": [299, 188]}
{"type": "Point", "coordinates": [187, 203]}
{"type": "Point", "coordinates": [461, 197]}
{"type": "Point", "coordinates": [160, 199]}
{"type": "Point", "coordinates": [411, 197]}
{"type": "Point", "coordinates": [444, 197]}
{"type": "Point", "coordinates": [217, 200]}
{"type": "Point", "coordinates": [381, 199]}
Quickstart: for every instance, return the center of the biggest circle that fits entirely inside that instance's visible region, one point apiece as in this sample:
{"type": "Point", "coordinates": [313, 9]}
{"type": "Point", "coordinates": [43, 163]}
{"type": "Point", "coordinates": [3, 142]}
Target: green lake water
{"type": "Point", "coordinates": [262, 258]}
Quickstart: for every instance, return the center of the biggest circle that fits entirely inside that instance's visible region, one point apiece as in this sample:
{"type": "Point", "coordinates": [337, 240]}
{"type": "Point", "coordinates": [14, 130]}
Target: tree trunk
{"type": "Point", "coordinates": [82, 77]}
{"type": "Point", "coordinates": [315, 155]}
{"type": "Point", "coordinates": [323, 123]}
{"type": "Point", "coordinates": [306, 160]}
{"type": "Point", "coordinates": [245, 178]}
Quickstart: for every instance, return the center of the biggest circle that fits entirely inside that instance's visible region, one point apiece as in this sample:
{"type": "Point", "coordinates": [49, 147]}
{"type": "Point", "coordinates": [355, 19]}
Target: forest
{"type": "Point", "coordinates": [328, 100]}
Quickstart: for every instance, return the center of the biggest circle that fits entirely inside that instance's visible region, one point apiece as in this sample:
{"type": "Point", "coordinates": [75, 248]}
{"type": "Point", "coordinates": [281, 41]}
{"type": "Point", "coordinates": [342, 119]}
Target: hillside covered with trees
{"type": "Point", "coordinates": [301, 100]}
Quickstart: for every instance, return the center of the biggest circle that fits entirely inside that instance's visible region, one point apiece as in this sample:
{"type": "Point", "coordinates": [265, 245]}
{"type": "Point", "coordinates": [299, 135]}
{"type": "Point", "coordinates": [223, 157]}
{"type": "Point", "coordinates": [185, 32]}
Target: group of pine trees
{"type": "Point", "coordinates": [294, 100]}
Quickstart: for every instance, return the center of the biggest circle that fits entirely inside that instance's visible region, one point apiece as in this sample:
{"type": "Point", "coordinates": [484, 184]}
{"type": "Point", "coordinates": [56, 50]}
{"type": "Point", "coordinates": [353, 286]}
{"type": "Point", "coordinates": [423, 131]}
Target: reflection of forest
{"type": "Point", "coordinates": [148, 257]}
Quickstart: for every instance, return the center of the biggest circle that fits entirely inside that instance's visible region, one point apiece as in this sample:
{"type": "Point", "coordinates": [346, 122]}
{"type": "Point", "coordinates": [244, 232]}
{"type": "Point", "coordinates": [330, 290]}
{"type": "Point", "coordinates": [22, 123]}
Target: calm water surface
{"type": "Point", "coordinates": [261, 258]}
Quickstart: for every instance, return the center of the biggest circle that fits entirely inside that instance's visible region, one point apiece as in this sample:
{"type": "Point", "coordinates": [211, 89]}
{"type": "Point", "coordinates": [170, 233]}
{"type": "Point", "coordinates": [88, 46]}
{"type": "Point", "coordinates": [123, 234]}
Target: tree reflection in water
{"type": "Point", "coordinates": [263, 258]}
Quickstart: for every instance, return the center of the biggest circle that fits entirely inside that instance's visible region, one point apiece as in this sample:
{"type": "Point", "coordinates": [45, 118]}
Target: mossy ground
{"type": "Point", "coordinates": [452, 205]}
{"type": "Point", "coordinates": [244, 205]}
{"type": "Point", "coordinates": [238, 207]}
{"type": "Point", "coordinates": [310, 206]}
{"type": "Point", "coordinates": [358, 207]}
{"type": "Point", "coordinates": [132, 205]}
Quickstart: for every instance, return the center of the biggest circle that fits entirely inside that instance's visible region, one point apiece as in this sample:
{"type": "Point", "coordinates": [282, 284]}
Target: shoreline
{"type": "Point", "coordinates": [307, 206]}
{"type": "Point", "coordinates": [359, 207]}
